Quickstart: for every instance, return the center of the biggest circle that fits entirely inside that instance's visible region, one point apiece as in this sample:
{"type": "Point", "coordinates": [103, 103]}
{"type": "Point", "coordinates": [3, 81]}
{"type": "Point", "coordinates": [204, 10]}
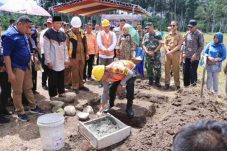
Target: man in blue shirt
{"type": "Point", "coordinates": [17, 60]}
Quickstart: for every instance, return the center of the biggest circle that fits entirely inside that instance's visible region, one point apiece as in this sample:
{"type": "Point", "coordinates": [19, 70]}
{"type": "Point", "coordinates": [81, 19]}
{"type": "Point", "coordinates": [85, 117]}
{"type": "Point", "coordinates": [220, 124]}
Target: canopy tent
{"type": "Point", "coordinates": [94, 7]}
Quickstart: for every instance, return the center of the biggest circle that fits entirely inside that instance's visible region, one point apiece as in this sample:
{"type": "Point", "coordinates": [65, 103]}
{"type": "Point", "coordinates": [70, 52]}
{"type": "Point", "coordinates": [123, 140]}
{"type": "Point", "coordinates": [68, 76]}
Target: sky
{"type": "Point", "coordinates": [4, 1]}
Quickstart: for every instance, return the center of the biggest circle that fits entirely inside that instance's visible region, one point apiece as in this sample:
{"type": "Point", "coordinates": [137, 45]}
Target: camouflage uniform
{"type": "Point", "coordinates": [153, 63]}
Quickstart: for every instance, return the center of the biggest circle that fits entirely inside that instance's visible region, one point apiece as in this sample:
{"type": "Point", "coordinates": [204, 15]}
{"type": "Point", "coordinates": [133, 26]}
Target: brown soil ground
{"type": "Point", "coordinates": [159, 115]}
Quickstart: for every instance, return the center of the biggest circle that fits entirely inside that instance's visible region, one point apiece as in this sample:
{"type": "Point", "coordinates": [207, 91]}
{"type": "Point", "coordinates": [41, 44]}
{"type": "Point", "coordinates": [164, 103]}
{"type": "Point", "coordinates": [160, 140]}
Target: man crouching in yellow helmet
{"type": "Point", "coordinates": [120, 74]}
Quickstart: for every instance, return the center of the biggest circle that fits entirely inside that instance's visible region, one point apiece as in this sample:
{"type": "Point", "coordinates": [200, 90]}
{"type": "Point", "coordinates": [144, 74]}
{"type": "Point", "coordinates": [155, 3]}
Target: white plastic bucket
{"type": "Point", "coordinates": [51, 129]}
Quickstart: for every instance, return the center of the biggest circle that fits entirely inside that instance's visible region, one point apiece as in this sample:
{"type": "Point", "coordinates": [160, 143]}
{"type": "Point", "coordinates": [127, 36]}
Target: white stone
{"type": "Point", "coordinates": [83, 115]}
{"type": "Point", "coordinates": [68, 98]}
{"type": "Point", "coordinates": [70, 110]}
{"type": "Point", "coordinates": [88, 109]}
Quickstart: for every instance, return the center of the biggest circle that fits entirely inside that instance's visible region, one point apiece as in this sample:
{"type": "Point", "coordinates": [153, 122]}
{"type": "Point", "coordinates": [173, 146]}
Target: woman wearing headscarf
{"type": "Point", "coordinates": [215, 52]}
{"type": "Point", "coordinates": [125, 45]}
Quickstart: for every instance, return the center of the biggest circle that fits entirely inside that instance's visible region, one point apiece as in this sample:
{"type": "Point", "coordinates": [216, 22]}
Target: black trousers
{"type": "Point", "coordinates": [129, 94]}
{"type": "Point", "coordinates": [56, 82]}
{"type": "Point", "coordinates": [34, 78]}
{"type": "Point", "coordinates": [89, 66]}
{"type": "Point", "coordinates": [97, 60]}
{"type": "Point", "coordinates": [5, 91]}
{"type": "Point", "coordinates": [45, 71]}
{"type": "Point", "coordinates": [190, 72]}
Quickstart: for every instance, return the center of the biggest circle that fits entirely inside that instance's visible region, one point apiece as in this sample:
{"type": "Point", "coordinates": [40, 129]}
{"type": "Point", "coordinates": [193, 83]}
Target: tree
{"type": "Point", "coordinates": [191, 6]}
{"type": "Point", "coordinates": [5, 18]}
{"type": "Point", "coordinates": [210, 14]}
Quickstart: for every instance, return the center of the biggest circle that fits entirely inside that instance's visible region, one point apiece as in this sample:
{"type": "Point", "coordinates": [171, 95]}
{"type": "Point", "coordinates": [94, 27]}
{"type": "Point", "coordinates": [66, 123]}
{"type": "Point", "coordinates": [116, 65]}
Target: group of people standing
{"type": "Point", "coordinates": [178, 50]}
{"type": "Point", "coordinates": [67, 54]}
{"type": "Point", "coordinates": [187, 50]}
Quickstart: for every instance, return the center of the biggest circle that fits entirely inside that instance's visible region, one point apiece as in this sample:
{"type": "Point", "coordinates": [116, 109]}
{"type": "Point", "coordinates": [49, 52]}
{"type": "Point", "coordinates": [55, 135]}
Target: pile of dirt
{"type": "Point", "coordinates": [185, 107]}
{"type": "Point", "coordinates": [159, 115]}
{"type": "Point", "coordinates": [171, 113]}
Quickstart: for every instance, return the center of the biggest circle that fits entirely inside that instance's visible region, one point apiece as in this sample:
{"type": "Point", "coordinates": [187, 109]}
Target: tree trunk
{"type": "Point", "coordinates": [175, 9]}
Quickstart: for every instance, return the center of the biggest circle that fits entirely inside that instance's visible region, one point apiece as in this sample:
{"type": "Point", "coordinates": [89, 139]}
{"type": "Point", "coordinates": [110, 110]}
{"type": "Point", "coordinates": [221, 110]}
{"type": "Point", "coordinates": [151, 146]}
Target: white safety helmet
{"type": "Point", "coordinates": [76, 22]}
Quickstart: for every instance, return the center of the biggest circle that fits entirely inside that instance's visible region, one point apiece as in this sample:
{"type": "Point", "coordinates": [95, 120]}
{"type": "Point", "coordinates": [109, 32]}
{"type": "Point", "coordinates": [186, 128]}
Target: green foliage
{"type": "Point", "coordinates": [210, 14]}
{"type": "Point", "coordinates": [158, 22]}
{"type": "Point", "coordinates": [213, 15]}
{"type": "Point", "coordinates": [191, 6]}
{"type": "Point", "coordinates": [5, 17]}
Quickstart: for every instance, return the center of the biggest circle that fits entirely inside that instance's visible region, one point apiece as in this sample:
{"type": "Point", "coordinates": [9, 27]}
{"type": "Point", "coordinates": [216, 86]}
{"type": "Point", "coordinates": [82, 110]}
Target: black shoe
{"type": "Point", "coordinates": [150, 83]}
{"type": "Point", "coordinates": [90, 79]}
{"type": "Point", "coordinates": [167, 87]}
{"type": "Point", "coordinates": [84, 89]}
{"type": "Point", "coordinates": [6, 113]}
{"type": "Point", "coordinates": [178, 87]}
{"type": "Point", "coordinates": [63, 95]}
{"type": "Point", "coordinates": [194, 84]}
{"type": "Point", "coordinates": [45, 87]}
{"type": "Point", "coordinates": [76, 91]}
{"type": "Point", "coordinates": [37, 110]}
{"type": "Point", "coordinates": [67, 86]}
{"type": "Point", "coordinates": [4, 120]}
{"type": "Point", "coordinates": [23, 117]}
{"type": "Point", "coordinates": [35, 92]}
{"type": "Point", "coordinates": [130, 112]}
{"type": "Point", "coordinates": [157, 84]}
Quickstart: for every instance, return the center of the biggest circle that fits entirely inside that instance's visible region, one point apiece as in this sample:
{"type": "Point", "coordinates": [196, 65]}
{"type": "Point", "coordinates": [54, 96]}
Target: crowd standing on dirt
{"type": "Point", "coordinates": [66, 54]}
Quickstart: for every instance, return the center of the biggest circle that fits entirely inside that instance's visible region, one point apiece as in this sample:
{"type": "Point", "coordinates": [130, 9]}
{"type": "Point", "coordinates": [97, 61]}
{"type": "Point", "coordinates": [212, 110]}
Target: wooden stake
{"type": "Point", "coordinates": [203, 79]}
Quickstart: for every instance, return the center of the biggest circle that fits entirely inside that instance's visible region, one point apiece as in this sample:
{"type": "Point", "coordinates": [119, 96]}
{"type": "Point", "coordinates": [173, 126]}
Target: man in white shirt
{"type": "Point", "coordinates": [56, 58]}
{"type": "Point", "coordinates": [107, 42]}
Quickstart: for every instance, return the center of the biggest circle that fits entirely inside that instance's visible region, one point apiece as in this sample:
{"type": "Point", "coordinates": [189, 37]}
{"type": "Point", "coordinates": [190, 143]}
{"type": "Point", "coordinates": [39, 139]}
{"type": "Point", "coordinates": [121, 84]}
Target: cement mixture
{"type": "Point", "coordinates": [101, 128]}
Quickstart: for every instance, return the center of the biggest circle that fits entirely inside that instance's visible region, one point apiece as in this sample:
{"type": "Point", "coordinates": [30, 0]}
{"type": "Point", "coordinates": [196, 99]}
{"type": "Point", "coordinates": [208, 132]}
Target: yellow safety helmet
{"type": "Point", "coordinates": [98, 72]}
{"type": "Point", "coordinates": [105, 23]}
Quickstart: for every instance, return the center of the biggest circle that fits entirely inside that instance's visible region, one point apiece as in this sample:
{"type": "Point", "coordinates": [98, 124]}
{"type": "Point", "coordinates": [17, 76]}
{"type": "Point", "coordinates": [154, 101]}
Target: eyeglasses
{"type": "Point", "coordinates": [172, 25]}
{"type": "Point", "coordinates": [190, 27]}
